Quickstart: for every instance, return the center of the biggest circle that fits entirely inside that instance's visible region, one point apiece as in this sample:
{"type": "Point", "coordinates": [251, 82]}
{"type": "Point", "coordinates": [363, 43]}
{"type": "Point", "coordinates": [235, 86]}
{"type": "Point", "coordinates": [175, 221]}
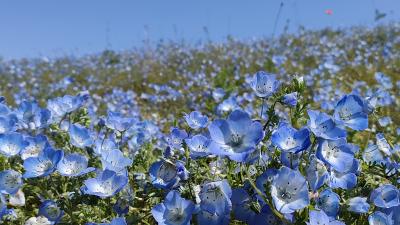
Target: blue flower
{"type": "Point", "coordinates": [73, 165]}
{"type": "Point", "coordinates": [385, 196]}
{"type": "Point", "coordinates": [218, 94]}
{"type": "Point", "coordinates": [174, 210]}
{"type": "Point", "coordinates": [10, 182]}
{"type": "Point", "coordinates": [51, 211]}
{"type": "Point", "coordinates": [380, 218]}
{"type": "Point", "coordinates": [115, 160]}
{"type": "Point", "coordinates": [80, 136]}
{"type": "Point", "coordinates": [266, 216]}
{"type": "Point", "coordinates": [372, 154]}
{"type": "Point", "coordinates": [358, 205]}
{"type": "Point", "coordinates": [228, 105]}
{"type": "Point", "coordinates": [106, 184]}
{"type": "Point", "coordinates": [241, 205]}
{"type": "Point", "coordinates": [195, 120]}
{"type": "Point", "coordinates": [393, 211]}
{"type": "Point", "coordinates": [117, 122]}
{"type": "Point", "coordinates": [329, 202]}
{"type": "Point", "coordinates": [60, 106]}
{"type": "Point", "coordinates": [115, 221]}
{"type": "Point", "coordinates": [35, 146]}
{"type": "Point", "coordinates": [290, 99]}
{"type": "Point", "coordinates": [289, 190]}
{"type": "Point", "coordinates": [205, 217]}
{"type": "Point", "coordinates": [352, 111]}
{"type": "Point", "coordinates": [336, 153]}
{"type": "Point", "coordinates": [383, 145]}
{"type": "Point", "coordinates": [215, 197]}
{"type": "Point", "coordinates": [198, 146]}
{"type": "Point", "coordinates": [264, 84]}
{"type": "Point", "coordinates": [164, 174]}
{"type": "Point", "coordinates": [176, 137]}
{"type": "Point", "coordinates": [103, 145]}
{"type": "Point", "coordinates": [235, 137]}
{"type": "Point", "coordinates": [44, 164]}
{"type": "Point", "coordinates": [323, 126]}
{"type": "Point", "coordinates": [8, 122]}
{"type": "Point", "coordinates": [346, 179]}
{"type": "Point", "coordinates": [31, 116]}
{"type": "Point", "coordinates": [320, 217]}
{"type": "Point", "coordinates": [288, 139]}
{"type": "Point", "coordinates": [12, 144]}
{"type": "Point", "coordinates": [317, 174]}
{"type": "Point", "coordinates": [291, 160]}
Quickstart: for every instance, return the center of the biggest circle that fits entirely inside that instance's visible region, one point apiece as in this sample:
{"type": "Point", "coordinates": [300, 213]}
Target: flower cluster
{"type": "Point", "coordinates": [220, 144]}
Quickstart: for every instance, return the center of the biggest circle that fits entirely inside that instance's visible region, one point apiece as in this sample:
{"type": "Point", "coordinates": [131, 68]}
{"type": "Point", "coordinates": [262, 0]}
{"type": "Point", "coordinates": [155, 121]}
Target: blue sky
{"type": "Point", "coordinates": [60, 27]}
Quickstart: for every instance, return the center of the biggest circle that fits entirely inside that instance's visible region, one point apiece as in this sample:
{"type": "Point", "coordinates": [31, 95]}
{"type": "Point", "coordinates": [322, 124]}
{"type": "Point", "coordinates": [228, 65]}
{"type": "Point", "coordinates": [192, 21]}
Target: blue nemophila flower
{"type": "Point", "coordinates": [320, 217]}
{"type": "Point", "coordinates": [323, 126]}
{"type": "Point", "coordinates": [44, 164]}
{"type": "Point", "coordinates": [31, 116]}
{"type": "Point", "coordinates": [380, 218]}
{"type": "Point", "coordinates": [290, 99]}
{"type": "Point", "coordinates": [10, 182]}
{"type": "Point", "coordinates": [215, 197]}
{"type": "Point", "coordinates": [12, 144]}
{"type": "Point", "coordinates": [241, 205]}
{"type": "Point", "coordinates": [352, 111]}
{"type": "Point", "coordinates": [289, 190]}
{"type": "Point", "coordinates": [317, 174]}
{"type": "Point", "coordinates": [329, 202]}
{"type": "Point", "coordinates": [165, 174]}
{"type": "Point", "coordinates": [385, 196]}
{"type": "Point", "coordinates": [264, 84]}
{"type": "Point", "coordinates": [394, 212]}
{"type": "Point", "coordinates": [73, 165]}
{"type": "Point", "coordinates": [115, 221]}
{"type": "Point", "coordinates": [106, 184]}
{"type": "Point", "coordinates": [288, 139]}
{"type": "Point", "coordinates": [60, 106]}
{"type": "Point", "coordinates": [196, 120]}
{"type": "Point", "coordinates": [383, 145]}
{"type": "Point", "coordinates": [266, 216]}
{"type": "Point", "coordinates": [372, 154]}
{"type": "Point", "coordinates": [51, 211]}
{"type": "Point", "coordinates": [336, 153]}
{"type": "Point", "coordinates": [80, 136]}
{"type": "Point", "coordinates": [176, 137]}
{"type": "Point", "coordinates": [357, 205]}
{"type": "Point", "coordinates": [235, 137]}
{"type": "Point", "coordinates": [346, 179]}
{"type": "Point", "coordinates": [115, 160]}
{"type": "Point", "coordinates": [198, 146]}
{"type": "Point", "coordinates": [175, 210]}
{"type": "Point", "coordinates": [291, 160]}
{"type": "Point", "coordinates": [118, 122]}
{"type": "Point", "coordinates": [218, 94]}
{"type": "Point", "coordinates": [383, 80]}
{"type": "Point", "coordinates": [103, 145]}
{"type": "Point", "coordinates": [35, 145]}
{"type": "Point", "coordinates": [384, 121]}
{"type": "Point", "coordinates": [228, 105]}
{"type": "Point", "coordinates": [8, 121]}
{"type": "Point", "coordinates": [205, 217]}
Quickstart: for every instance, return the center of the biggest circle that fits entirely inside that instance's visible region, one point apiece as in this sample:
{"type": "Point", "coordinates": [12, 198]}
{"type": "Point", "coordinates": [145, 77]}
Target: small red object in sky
{"type": "Point", "coordinates": [328, 12]}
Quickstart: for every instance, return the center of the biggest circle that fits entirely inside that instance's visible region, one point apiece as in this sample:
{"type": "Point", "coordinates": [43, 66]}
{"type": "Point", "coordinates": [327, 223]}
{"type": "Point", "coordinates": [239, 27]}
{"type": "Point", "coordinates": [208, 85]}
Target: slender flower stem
{"type": "Point", "coordinates": [262, 108]}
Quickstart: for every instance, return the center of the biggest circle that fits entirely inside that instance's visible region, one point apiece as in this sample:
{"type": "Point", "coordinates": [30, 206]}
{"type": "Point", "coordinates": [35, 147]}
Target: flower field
{"type": "Point", "coordinates": [301, 129]}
